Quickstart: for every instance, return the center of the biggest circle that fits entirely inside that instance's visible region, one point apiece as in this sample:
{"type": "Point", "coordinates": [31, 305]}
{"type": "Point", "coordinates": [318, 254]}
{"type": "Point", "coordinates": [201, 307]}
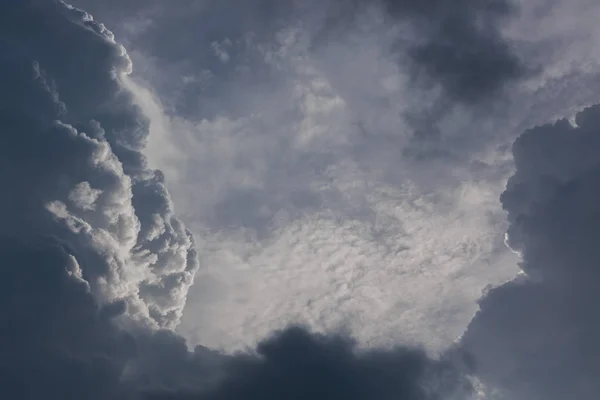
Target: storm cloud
{"type": "Point", "coordinates": [72, 166]}
{"type": "Point", "coordinates": [463, 49]}
{"type": "Point", "coordinates": [537, 337]}
{"type": "Point", "coordinates": [456, 45]}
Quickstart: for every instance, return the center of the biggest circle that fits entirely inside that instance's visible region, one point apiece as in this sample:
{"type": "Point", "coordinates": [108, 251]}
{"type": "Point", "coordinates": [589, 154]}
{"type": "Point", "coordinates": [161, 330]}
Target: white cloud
{"type": "Point", "coordinates": [412, 271]}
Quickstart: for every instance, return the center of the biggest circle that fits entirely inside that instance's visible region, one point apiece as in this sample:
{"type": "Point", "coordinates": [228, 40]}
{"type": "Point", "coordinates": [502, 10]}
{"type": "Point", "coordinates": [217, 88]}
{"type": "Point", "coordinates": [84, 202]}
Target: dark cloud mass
{"type": "Point", "coordinates": [70, 154]}
{"type": "Point", "coordinates": [94, 262]}
{"type": "Point", "coordinates": [56, 343]}
{"type": "Point", "coordinates": [463, 49]}
{"type": "Point", "coordinates": [537, 337]}
{"type": "Point", "coordinates": [458, 45]}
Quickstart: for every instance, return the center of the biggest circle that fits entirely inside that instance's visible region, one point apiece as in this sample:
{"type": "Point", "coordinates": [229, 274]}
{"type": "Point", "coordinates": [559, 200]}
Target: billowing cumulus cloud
{"type": "Point", "coordinates": [72, 166]}
{"type": "Point", "coordinates": [536, 337]}
{"type": "Point", "coordinates": [93, 259]}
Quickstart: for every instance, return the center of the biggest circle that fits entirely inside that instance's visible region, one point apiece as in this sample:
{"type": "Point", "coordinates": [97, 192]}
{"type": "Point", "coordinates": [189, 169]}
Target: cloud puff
{"type": "Point", "coordinates": [71, 161]}
{"type": "Point", "coordinates": [536, 337]}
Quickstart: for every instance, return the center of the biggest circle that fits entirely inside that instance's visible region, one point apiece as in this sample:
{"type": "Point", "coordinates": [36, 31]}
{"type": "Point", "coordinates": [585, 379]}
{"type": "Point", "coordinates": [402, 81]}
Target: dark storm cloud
{"type": "Point", "coordinates": [71, 161]}
{"type": "Point", "coordinates": [462, 46]}
{"type": "Point", "coordinates": [47, 353]}
{"type": "Point", "coordinates": [457, 45]}
{"type": "Point", "coordinates": [537, 337]}
{"type": "Point", "coordinates": [89, 239]}
{"type": "Point", "coordinates": [206, 59]}
{"type": "Point", "coordinates": [296, 365]}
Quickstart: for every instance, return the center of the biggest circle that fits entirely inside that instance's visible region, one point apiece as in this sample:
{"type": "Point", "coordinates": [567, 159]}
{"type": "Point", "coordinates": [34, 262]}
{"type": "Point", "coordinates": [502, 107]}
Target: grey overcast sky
{"type": "Point", "coordinates": [299, 199]}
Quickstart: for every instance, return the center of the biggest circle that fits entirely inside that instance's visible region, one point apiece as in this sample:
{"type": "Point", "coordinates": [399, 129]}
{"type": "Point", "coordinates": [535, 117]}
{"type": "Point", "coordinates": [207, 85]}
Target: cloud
{"type": "Point", "coordinates": [297, 169]}
{"type": "Point", "coordinates": [294, 364]}
{"type": "Point", "coordinates": [536, 337]}
{"type": "Point", "coordinates": [94, 262]}
{"type": "Point", "coordinates": [72, 162]}
{"type": "Point", "coordinates": [58, 343]}
{"type": "Point", "coordinates": [458, 46]}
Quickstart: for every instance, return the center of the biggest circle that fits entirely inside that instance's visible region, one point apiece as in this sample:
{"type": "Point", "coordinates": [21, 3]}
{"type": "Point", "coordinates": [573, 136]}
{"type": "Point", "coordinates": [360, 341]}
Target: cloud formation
{"type": "Point", "coordinates": [536, 338]}
{"type": "Point", "coordinates": [57, 344]}
{"type": "Point", "coordinates": [456, 45]}
{"type": "Point", "coordinates": [93, 259]}
{"type": "Point", "coordinates": [71, 156]}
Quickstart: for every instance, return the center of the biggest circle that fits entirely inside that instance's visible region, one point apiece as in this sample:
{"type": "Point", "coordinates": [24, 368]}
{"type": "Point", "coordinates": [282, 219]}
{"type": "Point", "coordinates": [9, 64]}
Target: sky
{"type": "Point", "coordinates": [265, 199]}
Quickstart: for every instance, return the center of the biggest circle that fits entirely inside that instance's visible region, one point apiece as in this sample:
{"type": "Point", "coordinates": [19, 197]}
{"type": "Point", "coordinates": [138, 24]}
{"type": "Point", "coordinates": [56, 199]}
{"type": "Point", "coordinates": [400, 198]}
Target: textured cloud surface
{"type": "Point", "coordinates": [93, 260]}
{"type": "Point", "coordinates": [456, 45]}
